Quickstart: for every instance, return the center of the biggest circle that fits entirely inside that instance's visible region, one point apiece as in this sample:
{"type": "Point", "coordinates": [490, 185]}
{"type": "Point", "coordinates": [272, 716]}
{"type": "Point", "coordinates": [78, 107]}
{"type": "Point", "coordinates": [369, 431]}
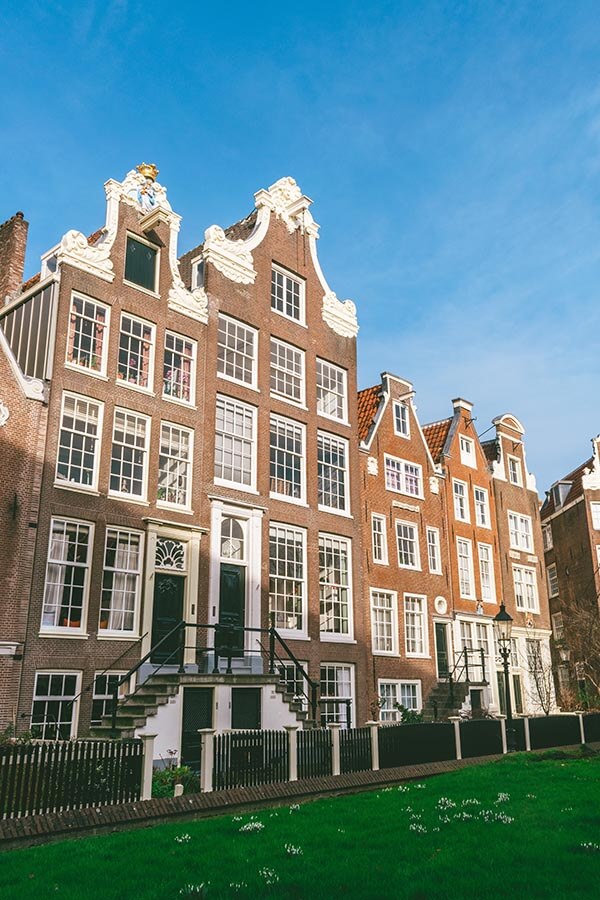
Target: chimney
{"type": "Point", "coordinates": [13, 241]}
{"type": "Point", "coordinates": [459, 403]}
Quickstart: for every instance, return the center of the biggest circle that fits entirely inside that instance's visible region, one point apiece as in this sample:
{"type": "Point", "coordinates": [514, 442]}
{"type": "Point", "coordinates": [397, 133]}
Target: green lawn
{"type": "Point", "coordinates": [513, 828]}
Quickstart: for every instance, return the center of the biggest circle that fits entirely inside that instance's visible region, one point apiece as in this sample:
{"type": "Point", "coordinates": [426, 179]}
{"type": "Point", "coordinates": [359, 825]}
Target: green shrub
{"type": "Point", "coordinates": [164, 781]}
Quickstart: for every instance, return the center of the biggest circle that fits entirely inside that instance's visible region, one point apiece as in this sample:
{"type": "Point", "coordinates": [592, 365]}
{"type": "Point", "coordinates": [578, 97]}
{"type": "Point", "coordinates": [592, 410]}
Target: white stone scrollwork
{"type": "Point", "coordinates": [591, 477]}
{"type": "Point", "coordinates": [4, 413]}
{"type": "Point", "coordinates": [340, 315]}
{"type": "Point", "coordinates": [194, 303]}
{"type": "Point", "coordinates": [143, 193]}
{"type": "Point", "coordinates": [169, 554]}
{"type": "Point", "coordinates": [434, 484]}
{"type": "Point", "coordinates": [289, 204]}
{"type": "Point", "coordinates": [231, 258]}
{"type": "Point", "coordinates": [75, 250]}
{"type": "Point", "coordinates": [372, 465]}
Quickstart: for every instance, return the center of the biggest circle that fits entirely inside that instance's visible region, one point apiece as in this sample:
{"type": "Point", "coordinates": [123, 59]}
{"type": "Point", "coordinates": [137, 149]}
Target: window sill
{"type": "Point", "coordinates": [183, 403]}
{"type": "Point", "coordinates": [138, 287]}
{"type": "Point", "coordinates": [289, 402]}
{"type": "Point", "coordinates": [404, 494]}
{"type": "Point", "coordinates": [234, 485]}
{"type": "Point", "coordinates": [325, 636]}
{"type": "Point", "coordinates": [335, 419]}
{"type": "Point", "coordinates": [125, 498]}
{"type": "Point", "coordinates": [244, 384]}
{"type": "Point", "coordinates": [380, 562]}
{"type": "Point", "coordinates": [69, 633]}
{"type": "Point", "coordinates": [292, 635]}
{"type": "Point", "coordinates": [184, 510]}
{"type": "Point", "coordinates": [299, 322]}
{"type": "Point", "coordinates": [73, 367]}
{"type": "Point", "coordinates": [105, 635]}
{"type": "Point", "coordinates": [148, 392]}
{"type": "Point", "coordinates": [410, 568]}
{"type": "Point", "coordinates": [386, 653]}
{"type": "Point", "coordinates": [283, 499]}
{"type": "Point", "coordinates": [77, 488]}
{"type": "Point", "coordinates": [418, 656]}
{"type": "Point", "coordinates": [335, 512]}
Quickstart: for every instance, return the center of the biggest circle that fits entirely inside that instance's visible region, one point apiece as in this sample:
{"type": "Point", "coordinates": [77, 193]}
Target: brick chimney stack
{"type": "Point", "coordinates": [13, 242]}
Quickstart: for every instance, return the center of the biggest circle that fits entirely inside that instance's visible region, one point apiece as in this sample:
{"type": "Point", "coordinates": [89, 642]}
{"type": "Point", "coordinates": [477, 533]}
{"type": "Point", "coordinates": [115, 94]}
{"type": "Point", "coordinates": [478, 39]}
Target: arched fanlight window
{"type": "Point", "coordinates": [232, 539]}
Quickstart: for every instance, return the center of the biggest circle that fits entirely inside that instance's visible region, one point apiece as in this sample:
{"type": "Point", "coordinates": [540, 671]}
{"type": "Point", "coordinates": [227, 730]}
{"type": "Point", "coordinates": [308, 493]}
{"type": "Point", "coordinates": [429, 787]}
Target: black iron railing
{"type": "Point", "coordinates": [469, 667]}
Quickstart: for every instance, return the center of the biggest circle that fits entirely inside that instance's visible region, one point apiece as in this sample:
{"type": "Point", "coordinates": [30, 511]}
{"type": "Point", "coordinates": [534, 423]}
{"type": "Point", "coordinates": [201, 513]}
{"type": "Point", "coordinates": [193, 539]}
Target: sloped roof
{"type": "Point", "coordinates": [490, 449]}
{"type": "Point", "coordinates": [241, 230]}
{"type": "Point", "coordinates": [576, 490]}
{"type": "Point", "coordinates": [368, 404]}
{"type": "Point", "coordinates": [436, 434]}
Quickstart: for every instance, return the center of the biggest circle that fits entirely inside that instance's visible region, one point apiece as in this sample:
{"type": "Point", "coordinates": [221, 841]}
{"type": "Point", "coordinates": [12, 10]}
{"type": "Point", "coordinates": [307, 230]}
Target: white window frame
{"type": "Point", "coordinates": [382, 533]}
{"type": "Point", "coordinates": [482, 505]}
{"type": "Point", "coordinates": [491, 577]}
{"type": "Point", "coordinates": [73, 701]}
{"type": "Point", "coordinates": [393, 714]}
{"type": "Point", "coordinates": [552, 577]}
{"type": "Point", "coordinates": [520, 538]}
{"type": "Point", "coordinates": [341, 636]}
{"type": "Point", "coordinates": [300, 428]}
{"type": "Point", "coordinates": [79, 367]}
{"type": "Point", "coordinates": [147, 420]}
{"type": "Point", "coordinates": [321, 366]}
{"type": "Point", "coordinates": [396, 476]}
{"type": "Point", "coordinates": [434, 551]}
{"type": "Point", "coordinates": [424, 652]}
{"type": "Point", "coordinates": [78, 485]}
{"type": "Point", "coordinates": [469, 571]}
{"type": "Point", "coordinates": [595, 514]}
{"type": "Point", "coordinates": [338, 712]}
{"type": "Point", "coordinates": [343, 477]}
{"type": "Point", "coordinates": [275, 344]}
{"type": "Point", "coordinates": [377, 613]}
{"type": "Point", "coordinates": [186, 464]}
{"type": "Point", "coordinates": [467, 451]}
{"type": "Point", "coordinates": [301, 632]}
{"type": "Point", "coordinates": [104, 697]}
{"type": "Point", "coordinates": [291, 276]}
{"type": "Point", "coordinates": [515, 469]}
{"type": "Point", "coordinates": [155, 247]}
{"type": "Point", "coordinates": [194, 355]}
{"type": "Point", "coordinates": [60, 568]}
{"type": "Point", "coordinates": [558, 626]}
{"type": "Point", "coordinates": [460, 495]}
{"type": "Point", "coordinates": [244, 409]}
{"type": "Point", "coordinates": [401, 417]}
{"type": "Point", "coordinates": [134, 574]}
{"type": "Point", "coordinates": [547, 536]}
{"type": "Point", "coordinates": [414, 540]}
{"type": "Point", "coordinates": [235, 327]}
{"type": "Point", "coordinates": [534, 606]}
{"type": "Point", "coordinates": [122, 382]}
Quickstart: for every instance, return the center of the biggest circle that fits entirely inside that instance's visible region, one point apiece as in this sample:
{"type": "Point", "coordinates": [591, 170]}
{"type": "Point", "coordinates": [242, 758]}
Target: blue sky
{"type": "Point", "coordinates": [452, 150]}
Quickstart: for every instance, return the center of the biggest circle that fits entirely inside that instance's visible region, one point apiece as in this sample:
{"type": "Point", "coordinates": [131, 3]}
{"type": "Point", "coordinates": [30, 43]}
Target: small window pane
{"type": "Point", "coordinates": [140, 264]}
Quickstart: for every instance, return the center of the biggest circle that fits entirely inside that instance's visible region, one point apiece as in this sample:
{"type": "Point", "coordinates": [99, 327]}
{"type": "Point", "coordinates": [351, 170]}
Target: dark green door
{"type": "Point", "coordinates": [245, 708]}
{"type": "Point", "coordinates": [197, 713]}
{"type": "Point", "coordinates": [441, 648]}
{"type": "Point", "coordinates": [232, 604]}
{"type": "Point", "coordinates": [167, 612]}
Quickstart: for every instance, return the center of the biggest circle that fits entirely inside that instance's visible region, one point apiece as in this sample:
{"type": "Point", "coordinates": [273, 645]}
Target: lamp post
{"type": "Point", "coordinates": [502, 630]}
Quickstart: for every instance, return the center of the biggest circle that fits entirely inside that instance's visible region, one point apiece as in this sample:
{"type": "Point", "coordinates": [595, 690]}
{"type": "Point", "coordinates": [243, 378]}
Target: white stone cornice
{"type": "Point", "coordinates": [74, 250]}
{"type": "Point", "coordinates": [193, 304]}
{"type": "Point", "coordinates": [340, 315]}
{"type": "Point", "coordinates": [232, 259]}
{"type": "Point", "coordinates": [286, 200]}
{"type": "Point", "coordinates": [591, 477]}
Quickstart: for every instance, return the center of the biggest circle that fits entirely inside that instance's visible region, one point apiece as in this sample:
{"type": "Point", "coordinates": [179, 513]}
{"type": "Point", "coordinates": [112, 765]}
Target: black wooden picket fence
{"type": "Point", "coordinates": [59, 775]}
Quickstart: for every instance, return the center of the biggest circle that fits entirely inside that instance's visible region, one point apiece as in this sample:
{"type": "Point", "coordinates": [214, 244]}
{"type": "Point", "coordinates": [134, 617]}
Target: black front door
{"type": "Point", "coordinates": [167, 612]}
{"type": "Point", "coordinates": [245, 707]}
{"type": "Point", "coordinates": [197, 713]}
{"type": "Point", "coordinates": [232, 604]}
{"type": "Point", "coordinates": [441, 649]}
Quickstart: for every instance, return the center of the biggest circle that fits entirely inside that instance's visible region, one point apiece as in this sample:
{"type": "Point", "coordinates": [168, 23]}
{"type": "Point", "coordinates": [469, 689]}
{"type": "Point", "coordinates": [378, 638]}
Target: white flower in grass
{"type": "Point", "coordinates": [420, 787]}
{"type": "Point", "coordinates": [183, 838]}
{"type": "Point", "coordinates": [416, 826]}
{"type": "Point", "coordinates": [471, 801]}
{"type": "Point", "coordinates": [502, 797]}
{"type": "Point", "coordinates": [270, 875]}
{"type": "Point", "coordinates": [590, 847]}
{"type": "Point", "coordinates": [238, 886]}
{"type": "Point", "coordinates": [403, 788]}
{"type": "Point", "coordinates": [531, 796]}
{"type": "Point", "coordinates": [251, 826]}
{"type": "Point", "coordinates": [567, 809]}
{"type": "Point", "coordinates": [445, 803]}
{"type": "Point", "coordinates": [195, 890]}
{"type": "Point", "coordinates": [237, 818]}
{"type": "Point", "coordinates": [293, 851]}
{"type": "Point", "coordinates": [294, 807]}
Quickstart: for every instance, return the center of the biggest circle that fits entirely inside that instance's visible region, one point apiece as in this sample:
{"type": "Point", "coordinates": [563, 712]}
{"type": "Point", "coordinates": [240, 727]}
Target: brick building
{"type": "Point", "coordinates": [197, 468]}
{"type": "Point", "coordinates": [571, 532]}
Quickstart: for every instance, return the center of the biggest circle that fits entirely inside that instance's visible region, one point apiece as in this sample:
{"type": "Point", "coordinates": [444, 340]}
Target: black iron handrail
{"type": "Point", "coordinates": [178, 653]}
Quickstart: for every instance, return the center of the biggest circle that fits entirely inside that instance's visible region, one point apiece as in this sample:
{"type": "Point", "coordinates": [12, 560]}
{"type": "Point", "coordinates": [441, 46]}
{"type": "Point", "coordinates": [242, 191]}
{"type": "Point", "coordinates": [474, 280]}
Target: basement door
{"type": "Point", "coordinates": [197, 713]}
{"type": "Point", "coordinates": [167, 612]}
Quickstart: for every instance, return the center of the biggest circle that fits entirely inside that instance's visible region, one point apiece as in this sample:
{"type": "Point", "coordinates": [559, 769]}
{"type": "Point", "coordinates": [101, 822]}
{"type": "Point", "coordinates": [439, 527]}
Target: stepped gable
{"type": "Point", "coordinates": [436, 434]}
{"type": "Point", "coordinates": [576, 491]}
{"type": "Point", "coordinates": [368, 404]}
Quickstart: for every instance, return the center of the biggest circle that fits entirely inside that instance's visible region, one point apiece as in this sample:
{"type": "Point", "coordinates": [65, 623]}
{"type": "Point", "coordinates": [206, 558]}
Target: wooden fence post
{"type": "Point", "coordinates": [456, 722]}
{"type": "Point", "coordinates": [374, 728]}
{"type": "Point", "coordinates": [147, 765]}
{"type": "Point", "coordinates": [334, 727]}
{"type": "Point", "coordinates": [292, 731]}
{"type": "Point", "coordinates": [207, 758]}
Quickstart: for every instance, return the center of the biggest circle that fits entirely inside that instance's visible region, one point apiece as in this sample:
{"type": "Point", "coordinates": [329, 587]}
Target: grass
{"type": "Point", "coordinates": [512, 828]}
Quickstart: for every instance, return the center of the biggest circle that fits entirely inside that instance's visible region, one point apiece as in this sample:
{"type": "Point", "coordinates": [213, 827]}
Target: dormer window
{"type": "Point", "coordinates": [560, 492]}
{"type": "Point", "coordinates": [467, 452]}
{"type": "Point", "coordinates": [401, 422]}
{"type": "Point", "coordinates": [141, 264]}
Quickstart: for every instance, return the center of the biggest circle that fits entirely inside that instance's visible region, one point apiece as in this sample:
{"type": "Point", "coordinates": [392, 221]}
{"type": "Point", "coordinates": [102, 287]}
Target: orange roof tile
{"type": "Point", "coordinates": [368, 404]}
{"type": "Point", "coordinates": [435, 435]}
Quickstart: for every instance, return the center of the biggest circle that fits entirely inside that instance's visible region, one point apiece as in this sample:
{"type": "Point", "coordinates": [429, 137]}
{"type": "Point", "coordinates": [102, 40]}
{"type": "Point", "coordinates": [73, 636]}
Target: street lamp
{"type": "Point", "coordinates": [502, 631]}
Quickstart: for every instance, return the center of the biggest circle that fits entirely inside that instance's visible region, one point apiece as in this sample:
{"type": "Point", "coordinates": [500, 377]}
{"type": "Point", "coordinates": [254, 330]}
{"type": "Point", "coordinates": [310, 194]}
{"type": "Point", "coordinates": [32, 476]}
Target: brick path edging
{"type": "Point", "coordinates": [30, 830]}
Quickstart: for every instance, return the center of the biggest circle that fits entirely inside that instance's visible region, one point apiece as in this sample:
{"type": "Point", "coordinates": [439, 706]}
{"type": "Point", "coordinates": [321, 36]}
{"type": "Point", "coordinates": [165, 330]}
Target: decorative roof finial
{"type": "Point", "coordinates": [148, 170]}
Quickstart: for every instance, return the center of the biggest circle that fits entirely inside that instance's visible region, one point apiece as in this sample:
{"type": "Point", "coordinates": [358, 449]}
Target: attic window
{"type": "Point", "coordinates": [560, 492]}
{"type": "Point", "coordinates": [515, 475]}
{"type": "Point", "coordinates": [141, 264]}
